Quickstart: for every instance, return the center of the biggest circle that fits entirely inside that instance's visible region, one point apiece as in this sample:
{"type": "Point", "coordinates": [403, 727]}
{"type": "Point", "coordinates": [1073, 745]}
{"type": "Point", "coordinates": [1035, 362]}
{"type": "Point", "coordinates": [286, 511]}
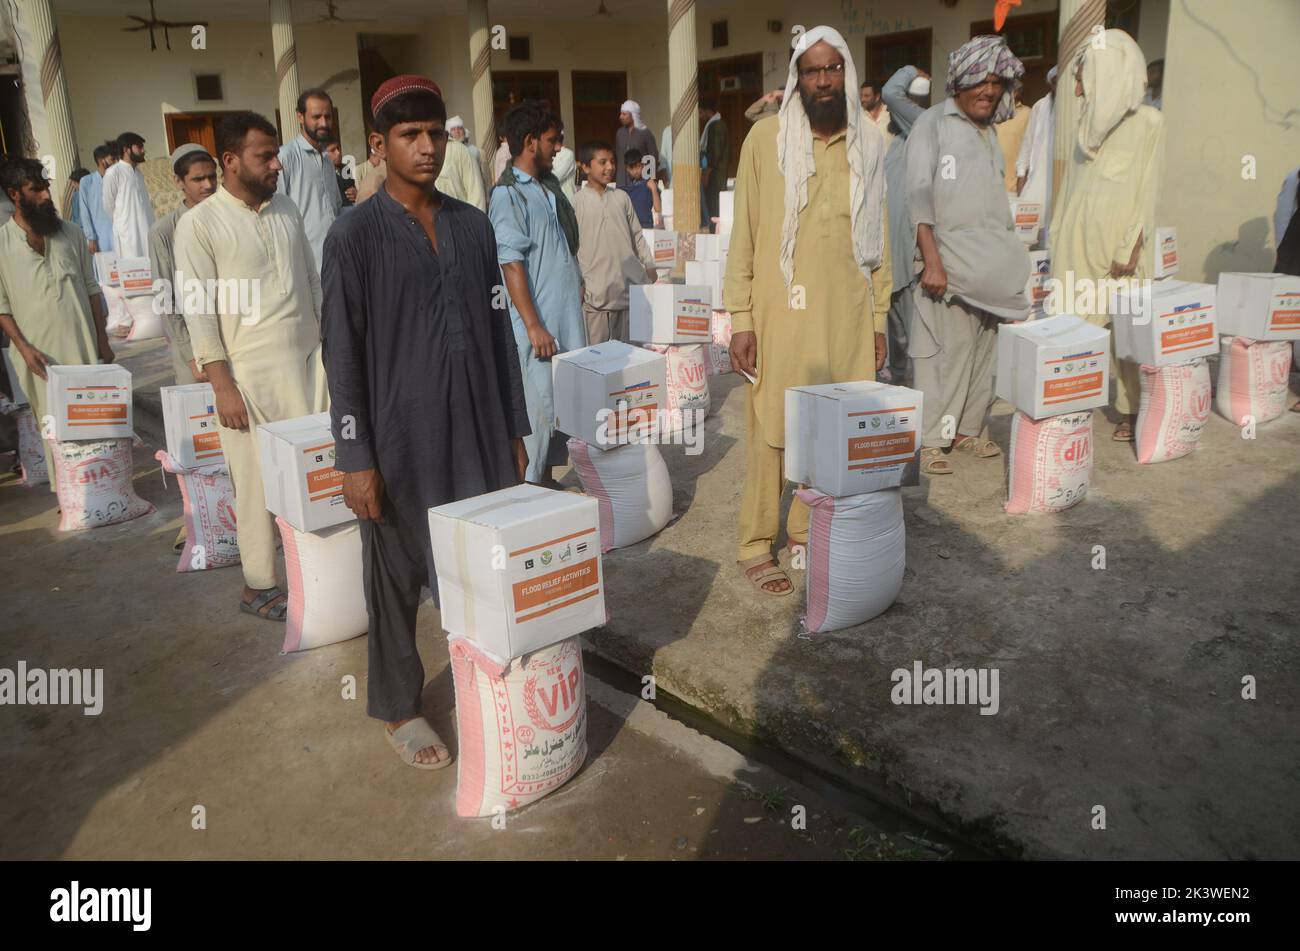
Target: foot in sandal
{"type": "Point", "coordinates": [1124, 431]}
{"type": "Point", "coordinates": [975, 446]}
{"type": "Point", "coordinates": [417, 743]}
{"type": "Point", "coordinates": [766, 576]}
{"type": "Point", "coordinates": [933, 462]}
{"type": "Point", "coordinates": [270, 604]}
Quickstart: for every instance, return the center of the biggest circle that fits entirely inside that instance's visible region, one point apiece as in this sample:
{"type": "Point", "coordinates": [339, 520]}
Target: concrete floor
{"type": "Point", "coordinates": [201, 708]}
{"type": "Point", "coordinates": [1119, 688]}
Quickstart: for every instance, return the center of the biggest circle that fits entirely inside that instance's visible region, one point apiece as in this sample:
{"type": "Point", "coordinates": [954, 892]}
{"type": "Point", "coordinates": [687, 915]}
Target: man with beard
{"type": "Point", "coordinates": [196, 177]}
{"type": "Point", "coordinates": [633, 134]}
{"type": "Point", "coordinates": [808, 274]}
{"type": "Point", "coordinates": [537, 245]}
{"type": "Point", "coordinates": [974, 267]}
{"type": "Point", "coordinates": [260, 347]}
{"type": "Point", "coordinates": [126, 199]}
{"type": "Point", "coordinates": [426, 397]}
{"type": "Point", "coordinates": [95, 221]}
{"type": "Point", "coordinates": [307, 175]}
{"type": "Point", "coordinates": [51, 306]}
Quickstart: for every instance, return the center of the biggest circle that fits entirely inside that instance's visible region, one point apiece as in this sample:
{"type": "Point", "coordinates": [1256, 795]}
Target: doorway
{"type": "Point", "coordinates": [197, 127]}
{"type": "Point", "coordinates": [734, 83]}
{"type": "Point", "coordinates": [511, 88]}
{"type": "Point", "coordinates": [888, 54]}
{"type": "Point", "coordinates": [596, 101]}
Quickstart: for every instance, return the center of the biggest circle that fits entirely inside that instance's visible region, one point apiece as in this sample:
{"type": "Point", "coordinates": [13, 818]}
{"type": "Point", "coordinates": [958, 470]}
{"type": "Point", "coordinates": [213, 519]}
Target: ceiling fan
{"type": "Point", "coordinates": [332, 15]}
{"type": "Point", "coordinates": [154, 23]}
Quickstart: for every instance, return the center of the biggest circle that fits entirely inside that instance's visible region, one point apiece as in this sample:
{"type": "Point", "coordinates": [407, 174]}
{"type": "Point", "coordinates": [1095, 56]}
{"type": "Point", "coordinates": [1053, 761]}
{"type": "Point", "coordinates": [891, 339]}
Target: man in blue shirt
{"type": "Point", "coordinates": [307, 175]}
{"type": "Point", "coordinates": [537, 245]}
{"type": "Point", "coordinates": [95, 221]}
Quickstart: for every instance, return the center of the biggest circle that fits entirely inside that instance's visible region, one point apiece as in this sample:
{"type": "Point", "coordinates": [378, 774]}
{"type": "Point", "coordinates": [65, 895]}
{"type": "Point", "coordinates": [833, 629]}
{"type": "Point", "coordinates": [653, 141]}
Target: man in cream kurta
{"type": "Point", "coordinates": [460, 177]}
{"type": "Point", "coordinates": [1107, 206]}
{"type": "Point", "coordinates": [267, 340]}
{"type": "Point", "coordinates": [838, 334]}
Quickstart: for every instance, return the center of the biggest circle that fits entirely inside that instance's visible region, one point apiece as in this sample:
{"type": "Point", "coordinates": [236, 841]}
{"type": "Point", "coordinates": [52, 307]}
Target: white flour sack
{"type": "Point", "coordinates": [93, 480]}
{"type": "Point", "coordinates": [632, 487]}
{"type": "Point", "coordinates": [686, 374]}
{"type": "Point", "coordinates": [856, 555]}
{"type": "Point", "coordinates": [145, 324]}
{"type": "Point", "coordinates": [31, 451]}
{"type": "Point", "coordinates": [118, 321]}
{"type": "Point", "coordinates": [208, 497]}
{"type": "Point", "coordinates": [1175, 405]}
{"type": "Point", "coordinates": [1252, 379]}
{"type": "Point", "coordinates": [327, 599]}
{"type": "Point", "coordinates": [521, 724]}
{"type": "Point", "coordinates": [1051, 462]}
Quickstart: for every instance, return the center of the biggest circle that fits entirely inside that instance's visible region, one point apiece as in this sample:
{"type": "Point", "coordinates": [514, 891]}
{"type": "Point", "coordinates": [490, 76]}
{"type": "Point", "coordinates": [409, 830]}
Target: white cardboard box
{"type": "Point", "coordinates": [666, 202]}
{"type": "Point", "coordinates": [669, 313]}
{"type": "Point", "coordinates": [1164, 322]}
{"type": "Point", "coordinates": [190, 424]}
{"type": "Point", "coordinates": [106, 267]}
{"type": "Point", "coordinates": [1040, 269]}
{"type": "Point", "coordinates": [1259, 306]}
{"type": "Point", "coordinates": [135, 276]}
{"type": "Point", "coordinates": [1026, 215]}
{"type": "Point", "coordinates": [663, 245]}
{"type": "Point", "coordinates": [88, 402]}
{"type": "Point", "coordinates": [708, 274]}
{"type": "Point", "coordinates": [727, 205]}
{"type": "Point", "coordinates": [1166, 253]}
{"type": "Point", "coordinates": [850, 438]}
{"type": "Point", "coordinates": [712, 247]}
{"type": "Point", "coordinates": [627, 381]}
{"type": "Point", "coordinates": [519, 569]}
{"type": "Point", "coordinates": [1052, 366]}
{"type": "Point", "coordinates": [299, 480]}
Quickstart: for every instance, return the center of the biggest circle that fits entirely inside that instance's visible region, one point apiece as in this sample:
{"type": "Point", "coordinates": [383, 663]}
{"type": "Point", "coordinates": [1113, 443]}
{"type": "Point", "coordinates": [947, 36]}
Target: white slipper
{"type": "Point", "coordinates": [413, 736]}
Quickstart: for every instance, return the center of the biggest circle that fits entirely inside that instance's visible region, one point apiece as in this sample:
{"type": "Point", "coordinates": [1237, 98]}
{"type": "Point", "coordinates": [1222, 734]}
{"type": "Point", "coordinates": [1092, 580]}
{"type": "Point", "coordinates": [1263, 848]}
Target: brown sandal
{"type": "Point", "coordinates": [980, 448]}
{"type": "Point", "coordinates": [763, 569]}
{"type": "Point", "coordinates": [1123, 432]}
{"type": "Point", "coordinates": [933, 462]}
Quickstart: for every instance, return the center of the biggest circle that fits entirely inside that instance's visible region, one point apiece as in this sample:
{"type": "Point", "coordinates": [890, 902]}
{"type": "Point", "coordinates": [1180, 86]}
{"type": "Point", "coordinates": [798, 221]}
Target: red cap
{"type": "Point", "coordinates": [398, 85]}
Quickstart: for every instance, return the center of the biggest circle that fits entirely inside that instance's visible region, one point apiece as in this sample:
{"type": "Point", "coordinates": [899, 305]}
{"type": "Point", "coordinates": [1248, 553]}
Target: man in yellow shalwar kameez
{"type": "Point", "coordinates": [808, 276]}
{"type": "Point", "coordinates": [1107, 207]}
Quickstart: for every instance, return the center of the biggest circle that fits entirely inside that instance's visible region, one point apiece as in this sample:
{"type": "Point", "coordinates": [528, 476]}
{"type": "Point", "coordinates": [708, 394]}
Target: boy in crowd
{"type": "Point", "coordinates": [612, 251]}
{"type": "Point", "coordinates": [643, 193]}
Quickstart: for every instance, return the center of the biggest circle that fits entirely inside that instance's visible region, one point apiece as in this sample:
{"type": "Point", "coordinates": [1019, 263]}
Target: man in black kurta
{"type": "Point", "coordinates": [427, 398]}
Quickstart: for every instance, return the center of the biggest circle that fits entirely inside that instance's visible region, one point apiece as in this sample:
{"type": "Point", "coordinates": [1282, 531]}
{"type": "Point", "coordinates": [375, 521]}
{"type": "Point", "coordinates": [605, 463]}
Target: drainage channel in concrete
{"type": "Point", "coordinates": [850, 794]}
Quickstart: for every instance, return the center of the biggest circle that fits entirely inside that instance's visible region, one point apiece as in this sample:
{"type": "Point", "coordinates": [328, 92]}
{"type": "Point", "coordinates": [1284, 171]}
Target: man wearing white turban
{"type": "Point", "coordinates": [633, 134]}
{"type": "Point", "coordinates": [974, 268]}
{"type": "Point", "coordinates": [1107, 206]}
{"type": "Point", "coordinates": [808, 274]}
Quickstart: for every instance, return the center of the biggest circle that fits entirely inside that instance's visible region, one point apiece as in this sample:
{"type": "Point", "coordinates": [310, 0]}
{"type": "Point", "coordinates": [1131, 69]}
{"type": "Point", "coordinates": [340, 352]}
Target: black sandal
{"type": "Point", "coordinates": [276, 612]}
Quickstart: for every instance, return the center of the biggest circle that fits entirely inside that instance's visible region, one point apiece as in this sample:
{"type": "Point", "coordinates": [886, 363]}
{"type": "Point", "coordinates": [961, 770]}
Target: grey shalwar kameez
{"type": "Point", "coordinates": [955, 185]}
{"type": "Point", "coordinates": [425, 387]}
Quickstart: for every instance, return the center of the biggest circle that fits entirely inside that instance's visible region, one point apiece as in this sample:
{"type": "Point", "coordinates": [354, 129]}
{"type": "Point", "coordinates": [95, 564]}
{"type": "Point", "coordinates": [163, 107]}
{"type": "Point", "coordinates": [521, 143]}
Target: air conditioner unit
{"type": "Point", "coordinates": [729, 84]}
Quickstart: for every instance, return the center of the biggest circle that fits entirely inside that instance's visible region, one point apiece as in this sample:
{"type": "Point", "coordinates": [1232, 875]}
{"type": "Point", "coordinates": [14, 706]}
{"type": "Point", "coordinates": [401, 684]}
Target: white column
{"type": "Point", "coordinates": [684, 97]}
{"type": "Point", "coordinates": [1078, 18]}
{"type": "Point", "coordinates": [57, 140]}
{"type": "Point", "coordinates": [286, 66]}
{"type": "Point", "coordinates": [480, 59]}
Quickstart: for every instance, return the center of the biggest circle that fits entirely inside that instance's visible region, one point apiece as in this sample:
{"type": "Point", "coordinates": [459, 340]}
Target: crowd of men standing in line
{"type": "Point", "coordinates": [391, 316]}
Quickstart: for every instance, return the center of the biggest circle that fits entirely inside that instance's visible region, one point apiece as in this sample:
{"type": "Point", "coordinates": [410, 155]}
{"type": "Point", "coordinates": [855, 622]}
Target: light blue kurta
{"type": "Point", "coordinates": [94, 220]}
{"type": "Point", "coordinates": [527, 229]}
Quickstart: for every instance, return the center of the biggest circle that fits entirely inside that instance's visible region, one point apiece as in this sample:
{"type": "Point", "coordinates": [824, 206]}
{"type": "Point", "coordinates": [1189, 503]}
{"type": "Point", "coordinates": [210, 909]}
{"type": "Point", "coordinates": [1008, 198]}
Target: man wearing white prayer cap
{"type": "Point", "coordinates": [633, 134]}
{"type": "Point", "coordinates": [808, 274]}
{"type": "Point", "coordinates": [456, 130]}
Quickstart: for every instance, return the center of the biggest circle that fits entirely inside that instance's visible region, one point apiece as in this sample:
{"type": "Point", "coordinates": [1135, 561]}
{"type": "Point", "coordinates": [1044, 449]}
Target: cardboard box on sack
{"type": "Point", "coordinates": [519, 569]}
{"type": "Point", "coordinates": [669, 313]}
{"type": "Point", "coordinates": [88, 402]}
{"type": "Point", "coordinates": [1259, 306]}
{"type": "Point", "coordinates": [135, 277]}
{"type": "Point", "coordinates": [1166, 253]}
{"type": "Point", "coordinates": [190, 424]}
{"type": "Point", "coordinates": [299, 480]}
{"type": "Point", "coordinates": [1164, 322]}
{"type": "Point", "coordinates": [850, 438]}
{"type": "Point", "coordinates": [708, 274]}
{"type": "Point", "coordinates": [1025, 215]}
{"type": "Point", "coordinates": [106, 267]}
{"type": "Point", "coordinates": [712, 247]}
{"type": "Point", "coordinates": [627, 381]}
{"type": "Point", "coordinates": [1052, 366]}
